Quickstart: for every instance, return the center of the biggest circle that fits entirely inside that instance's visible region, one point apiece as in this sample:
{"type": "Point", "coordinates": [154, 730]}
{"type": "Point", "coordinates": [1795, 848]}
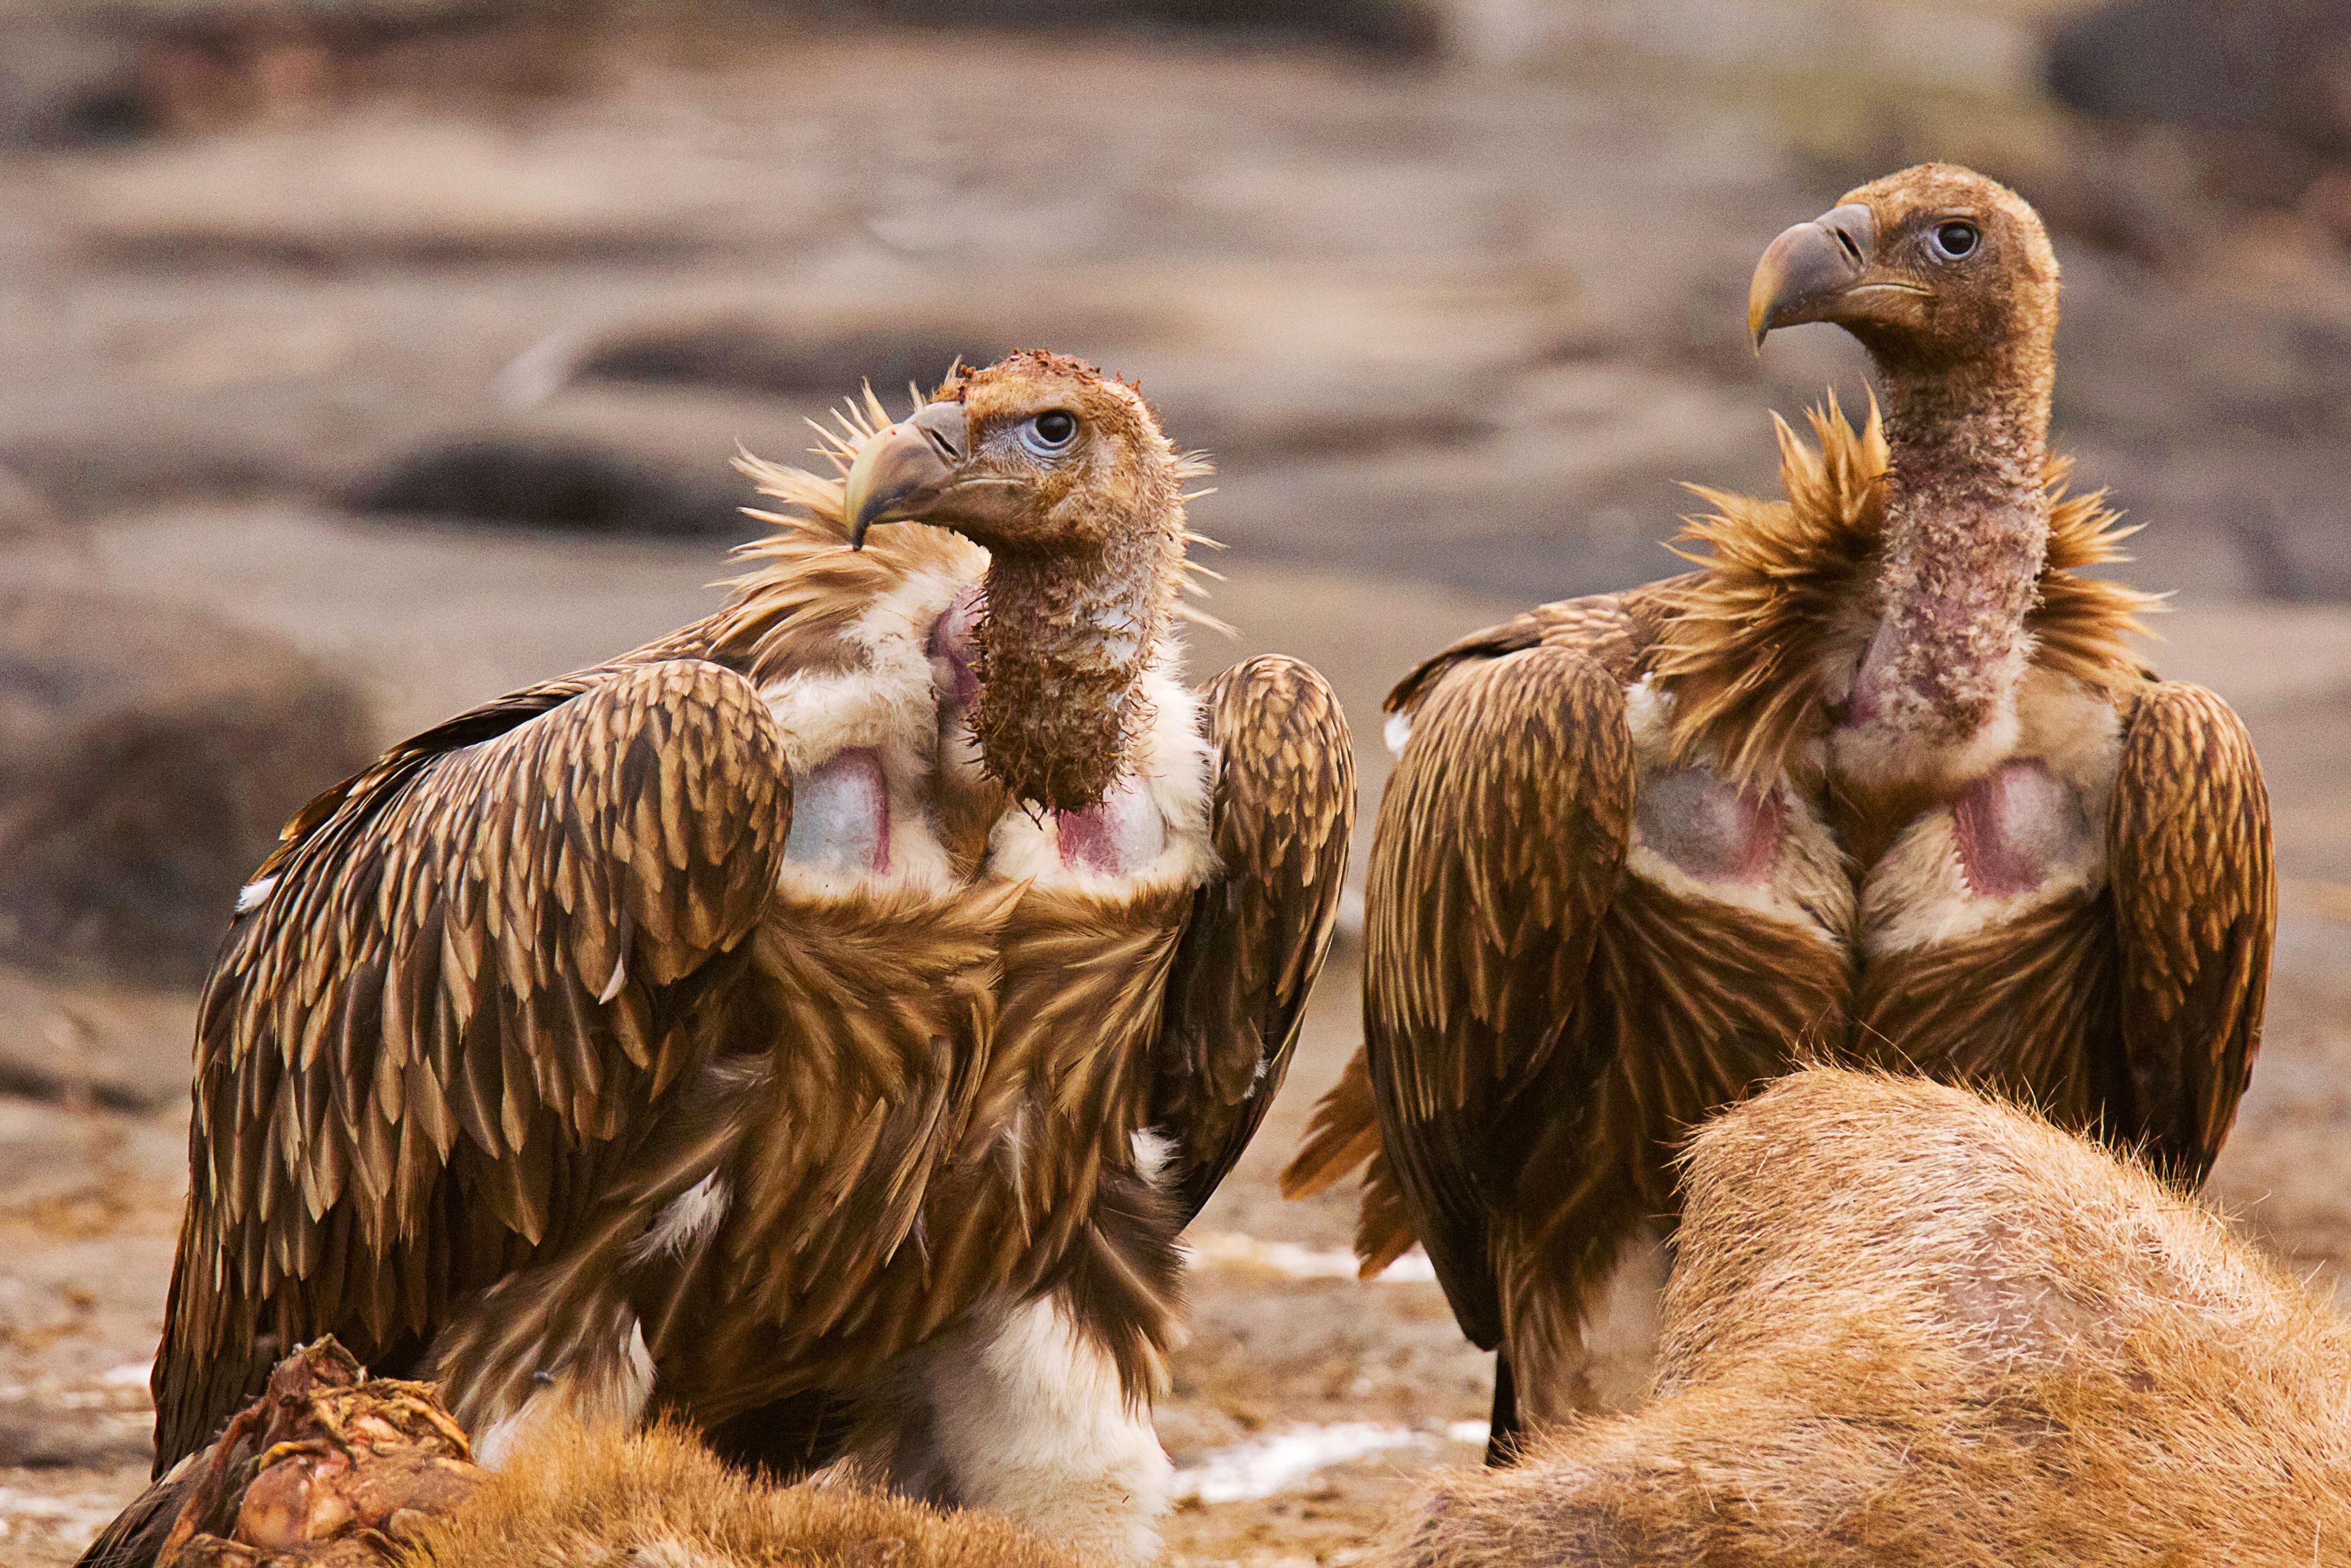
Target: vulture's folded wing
{"type": "Point", "coordinates": [1499, 845]}
{"type": "Point", "coordinates": [1284, 810]}
{"type": "Point", "coordinates": [2195, 889]}
{"type": "Point", "coordinates": [449, 1001]}
{"type": "Point", "coordinates": [1607, 627]}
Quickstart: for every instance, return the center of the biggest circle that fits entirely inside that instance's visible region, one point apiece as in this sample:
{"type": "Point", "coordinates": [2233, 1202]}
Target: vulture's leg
{"type": "Point", "coordinates": [1023, 1414]}
{"type": "Point", "coordinates": [1599, 1359]}
{"type": "Point", "coordinates": [535, 1349]}
{"type": "Point", "coordinates": [606, 1386]}
{"type": "Point", "coordinates": [562, 1339]}
{"type": "Point", "coordinates": [1502, 1426]}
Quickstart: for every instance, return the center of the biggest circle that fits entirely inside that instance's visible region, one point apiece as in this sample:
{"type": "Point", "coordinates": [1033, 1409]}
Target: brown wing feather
{"type": "Point", "coordinates": [1283, 813]}
{"type": "Point", "coordinates": [1499, 846]}
{"type": "Point", "coordinates": [2021, 1009]}
{"type": "Point", "coordinates": [466, 987]}
{"type": "Point", "coordinates": [1611, 628]}
{"type": "Point", "coordinates": [2195, 889]}
{"type": "Point", "coordinates": [1615, 629]}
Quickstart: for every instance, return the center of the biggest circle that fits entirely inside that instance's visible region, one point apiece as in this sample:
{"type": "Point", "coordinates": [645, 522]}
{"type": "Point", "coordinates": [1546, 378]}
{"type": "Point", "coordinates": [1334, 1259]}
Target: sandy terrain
{"type": "Point", "coordinates": [1452, 332]}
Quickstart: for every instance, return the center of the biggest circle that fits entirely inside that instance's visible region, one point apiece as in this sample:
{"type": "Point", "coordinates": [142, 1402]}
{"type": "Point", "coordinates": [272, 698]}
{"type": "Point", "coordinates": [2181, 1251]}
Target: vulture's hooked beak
{"type": "Point", "coordinates": [1809, 268]}
{"type": "Point", "coordinates": [903, 472]}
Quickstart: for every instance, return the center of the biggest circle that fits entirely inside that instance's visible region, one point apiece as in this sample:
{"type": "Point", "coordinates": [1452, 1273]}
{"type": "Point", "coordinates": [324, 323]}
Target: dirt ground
{"type": "Point", "coordinates": [1452, 332]}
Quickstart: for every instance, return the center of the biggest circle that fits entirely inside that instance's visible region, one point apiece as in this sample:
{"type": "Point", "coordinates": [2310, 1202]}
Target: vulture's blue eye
{"type": "Point", "coordinates": [1051, 432]}
{"type": "Point", "coordinates": [1955, 240]}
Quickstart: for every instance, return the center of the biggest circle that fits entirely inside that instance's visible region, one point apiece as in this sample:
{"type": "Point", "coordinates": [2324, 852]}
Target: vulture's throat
{"type": "Point", "coordinates": [1064, 644]}
{"type": "Point", "coordinates": [1966, 533]}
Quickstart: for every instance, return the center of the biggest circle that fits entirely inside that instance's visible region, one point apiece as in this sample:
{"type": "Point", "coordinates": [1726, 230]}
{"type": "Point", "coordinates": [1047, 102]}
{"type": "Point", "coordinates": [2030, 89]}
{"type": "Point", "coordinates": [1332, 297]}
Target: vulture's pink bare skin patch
{"type": "Point", "coordinates": [1709, 830]}
{"type": "Point", "coordinates": [1122, 836]}
{"type": "Point", "coordinates": [954, 645]}
{"type": "Point", "coordinates": [2014, 826]}
{"type": "Point", "coordinates": [841, 814]}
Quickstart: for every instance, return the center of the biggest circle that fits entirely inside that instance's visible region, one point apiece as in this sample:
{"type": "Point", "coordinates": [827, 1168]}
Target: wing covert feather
{"type": "Point", "coordinates": [1611, 629]}
{"type": "Point", "coordinates": [1498, 850]}
{"type": "Point", "coordinates": [1280, 819]}
{"type": "Point", "coordinates": [459, 994]}
{"type": "Point", "coordinates": [2195, 886]}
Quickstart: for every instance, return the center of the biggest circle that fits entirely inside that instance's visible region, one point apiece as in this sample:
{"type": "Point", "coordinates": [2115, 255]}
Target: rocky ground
{"type": "Point", "coordinates": [1452, 327]}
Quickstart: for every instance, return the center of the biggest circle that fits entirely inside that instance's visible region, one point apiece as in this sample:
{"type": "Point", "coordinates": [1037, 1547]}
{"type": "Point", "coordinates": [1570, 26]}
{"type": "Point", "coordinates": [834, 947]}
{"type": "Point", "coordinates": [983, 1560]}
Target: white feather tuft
{"type": "Point", "coordinates": [1152, 1150]}
{"type": "Point", "coordinates": [1398, 732]}
{"type": "Point", "coordinates": [687, 1219]}
{"type": "Point", "coordinates": [255, 894]}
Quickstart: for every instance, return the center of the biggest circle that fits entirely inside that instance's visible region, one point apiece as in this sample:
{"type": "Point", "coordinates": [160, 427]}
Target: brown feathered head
{"type": "Point", "coordinates": [1063, 474]}
{"type": "Point", "coordinates": [1040, 455]}
{"type": "Point", "coordinates": [1929, 268]}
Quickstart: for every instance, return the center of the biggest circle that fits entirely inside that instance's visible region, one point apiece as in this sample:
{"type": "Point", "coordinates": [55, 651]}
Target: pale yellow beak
{"type": "Point", "coordinates": [903, 470]}
{"type": "Point", "coordinates": [1807, 267]}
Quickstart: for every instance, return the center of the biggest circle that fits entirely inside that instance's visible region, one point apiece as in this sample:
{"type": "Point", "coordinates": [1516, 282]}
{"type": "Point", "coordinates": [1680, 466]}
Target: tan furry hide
{"type": "Point", "coordinates": [1913, 1329]}
{"type": "Point", "coordinates": [658, 1498]}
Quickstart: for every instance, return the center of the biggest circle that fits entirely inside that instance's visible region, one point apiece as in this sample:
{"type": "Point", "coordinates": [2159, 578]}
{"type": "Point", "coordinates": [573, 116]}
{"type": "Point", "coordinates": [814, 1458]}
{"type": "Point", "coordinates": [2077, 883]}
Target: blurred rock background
{"type": "Point", "coordinates": [362, 359]}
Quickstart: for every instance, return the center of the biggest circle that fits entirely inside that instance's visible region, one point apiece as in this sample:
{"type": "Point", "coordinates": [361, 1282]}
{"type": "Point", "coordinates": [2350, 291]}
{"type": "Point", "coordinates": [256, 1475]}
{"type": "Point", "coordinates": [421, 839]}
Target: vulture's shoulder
{"type": "Point", "coordinates": [1282, 810]}
{"type": "Point", "coordinates": [694, 647]}
{"type": "Point", "coordinates": [1615, 631]}
{"type": "Point", "coordinates": [461, 972]}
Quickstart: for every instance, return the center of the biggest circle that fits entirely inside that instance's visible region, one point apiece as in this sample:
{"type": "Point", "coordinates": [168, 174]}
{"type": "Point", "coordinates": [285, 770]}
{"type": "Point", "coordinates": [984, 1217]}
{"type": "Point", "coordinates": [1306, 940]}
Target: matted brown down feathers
{"type": "Point", "coordinates": [1746, 649]}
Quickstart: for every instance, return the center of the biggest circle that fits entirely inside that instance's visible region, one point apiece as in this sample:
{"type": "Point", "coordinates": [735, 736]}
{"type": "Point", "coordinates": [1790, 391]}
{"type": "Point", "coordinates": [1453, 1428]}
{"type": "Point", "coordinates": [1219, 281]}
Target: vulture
{"type": "Point", "coordinates": [1880, 781]}
{"type": "Point", "coordinates": [813, 1027]}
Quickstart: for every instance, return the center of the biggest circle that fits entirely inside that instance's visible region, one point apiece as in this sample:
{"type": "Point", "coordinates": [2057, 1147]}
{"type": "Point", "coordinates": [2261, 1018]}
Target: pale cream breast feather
{"type": "Point", "coordinates": [1921, 893]}
{"type": "Point", "coordinates": [1803, 878]}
